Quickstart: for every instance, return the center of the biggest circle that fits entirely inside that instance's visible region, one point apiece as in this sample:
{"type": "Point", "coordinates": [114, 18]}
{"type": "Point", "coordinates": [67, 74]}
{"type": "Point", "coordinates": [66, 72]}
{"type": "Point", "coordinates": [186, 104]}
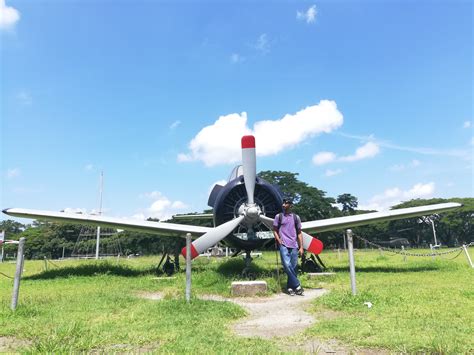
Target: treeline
{"type": "Point", "coordinates": [52, 240]}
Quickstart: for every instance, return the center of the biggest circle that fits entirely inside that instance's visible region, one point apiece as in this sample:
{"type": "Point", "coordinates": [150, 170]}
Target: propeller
{"type": "Point", "coordinates": [249, 163]}
{"type": "Point", "coordinates": [249, 213]}
{"type": "Point", "coordinates": [311, 244]}
{"type": "Point", "coordinates": [212, 237]}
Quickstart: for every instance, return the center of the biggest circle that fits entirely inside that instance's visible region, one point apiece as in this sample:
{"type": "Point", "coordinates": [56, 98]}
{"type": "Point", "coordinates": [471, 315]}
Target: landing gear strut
{"type": "Point", "coordinates": [311, 264]}
{"type": "Point", "coordinates": [246, 272]}
{"type": "Point", "coordinates": [171, 265]}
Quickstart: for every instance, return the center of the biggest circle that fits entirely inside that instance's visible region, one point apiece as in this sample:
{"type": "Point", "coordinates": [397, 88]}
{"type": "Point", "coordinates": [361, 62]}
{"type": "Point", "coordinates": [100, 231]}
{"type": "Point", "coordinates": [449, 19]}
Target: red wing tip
{"type": "Point", "coordinates": [316, 246]}
{"type": "Point", "coordinates": [194, 252]}
{"type": "Point", "coordinates": [248, 142]}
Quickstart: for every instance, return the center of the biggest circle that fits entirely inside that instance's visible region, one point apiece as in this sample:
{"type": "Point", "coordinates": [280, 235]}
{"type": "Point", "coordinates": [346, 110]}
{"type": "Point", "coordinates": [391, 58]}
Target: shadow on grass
{"type": "Point", "coordinates": [91, 270]}
{"type": "Point", "coordinates": [234, 267]}
{"type": "Point", "coordinates": [387, 269]}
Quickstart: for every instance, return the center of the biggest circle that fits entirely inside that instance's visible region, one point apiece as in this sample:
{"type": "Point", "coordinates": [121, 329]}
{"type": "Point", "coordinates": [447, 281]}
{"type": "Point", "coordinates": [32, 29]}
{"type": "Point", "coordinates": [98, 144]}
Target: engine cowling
{"type": "Point", "coordinates": [227, 202]}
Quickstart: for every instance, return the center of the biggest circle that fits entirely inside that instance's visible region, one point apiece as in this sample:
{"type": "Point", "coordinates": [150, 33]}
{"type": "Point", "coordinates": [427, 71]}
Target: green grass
{"type": "Point", "coordinates": [421, 305]}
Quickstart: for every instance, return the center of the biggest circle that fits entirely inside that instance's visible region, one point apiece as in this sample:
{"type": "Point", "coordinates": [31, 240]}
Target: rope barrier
{"type": "Point", "coordinates": [49, 261]}
{"type": "Point", "coordinates": [404, 253]}
{"type": "Point", "coordinates": [1, 273]}
{"type": "Point", "coordinates": [460, 252]}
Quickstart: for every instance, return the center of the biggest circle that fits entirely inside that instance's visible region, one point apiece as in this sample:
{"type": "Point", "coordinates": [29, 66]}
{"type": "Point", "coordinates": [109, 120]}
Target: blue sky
{"type": "Point", "coordinates": [369, 98]}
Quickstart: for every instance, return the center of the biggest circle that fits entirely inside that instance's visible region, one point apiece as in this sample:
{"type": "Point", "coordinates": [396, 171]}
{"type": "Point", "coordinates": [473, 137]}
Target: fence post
{"type": "Point", "coordinates": [404, 255]}
{"type": "Point", "coordinates": [350, 244]}
{"type": "Point", "coordinates": [19, 269]}
{"type": "Point", "coordinates": [467, 255]}
{"type": "Point", "coordinates": [188, 267]}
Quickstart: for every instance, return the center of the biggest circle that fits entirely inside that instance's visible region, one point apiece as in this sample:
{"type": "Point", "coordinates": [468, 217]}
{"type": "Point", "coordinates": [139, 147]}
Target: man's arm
{"type": "Point", "coordinates": [277, 236]}
{"type": "Point", "coordinates": [300, 243]}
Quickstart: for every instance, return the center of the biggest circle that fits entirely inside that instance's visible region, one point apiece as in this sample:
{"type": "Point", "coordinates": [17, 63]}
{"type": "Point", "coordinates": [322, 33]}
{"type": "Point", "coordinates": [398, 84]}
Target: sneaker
{"type": "Point", "coordinates": [291, 292]}
{"type": "Point", "coordinates": [299, 291]}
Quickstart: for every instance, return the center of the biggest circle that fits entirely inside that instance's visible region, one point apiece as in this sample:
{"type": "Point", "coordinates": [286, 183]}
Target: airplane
{"type": "Point", "coordinates": [243, 211]}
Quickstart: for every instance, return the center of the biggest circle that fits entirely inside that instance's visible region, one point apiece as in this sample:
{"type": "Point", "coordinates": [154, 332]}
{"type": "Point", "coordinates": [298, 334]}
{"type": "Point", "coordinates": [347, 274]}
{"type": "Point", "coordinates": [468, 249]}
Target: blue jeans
{"type": "Point", "coordinates": [289, 259]}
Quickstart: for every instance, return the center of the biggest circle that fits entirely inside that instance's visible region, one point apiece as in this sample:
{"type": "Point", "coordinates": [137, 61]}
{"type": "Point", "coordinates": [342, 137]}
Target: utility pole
{"type": "Point", "coordinates": [100, 213]}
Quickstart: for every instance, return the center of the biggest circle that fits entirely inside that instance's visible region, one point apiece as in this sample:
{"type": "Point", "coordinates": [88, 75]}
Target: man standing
{"type": "Point", "coordinates": [287, 232]}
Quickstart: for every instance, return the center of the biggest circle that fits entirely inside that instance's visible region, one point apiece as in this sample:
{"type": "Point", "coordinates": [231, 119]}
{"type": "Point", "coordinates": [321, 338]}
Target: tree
{"type": "Point", "coordinates": [349, 203]}
{"type": "Point", "coordinates": [11, 227]}
{"type": "Point", "coordinates": [310, 202]}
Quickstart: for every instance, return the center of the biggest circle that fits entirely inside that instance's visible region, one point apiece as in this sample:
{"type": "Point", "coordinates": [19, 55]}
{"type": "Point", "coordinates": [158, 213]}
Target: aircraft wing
{"type": "Point", "coordinates": [330, 224]}
{"type": "Point", "coordinates": [159, 228]}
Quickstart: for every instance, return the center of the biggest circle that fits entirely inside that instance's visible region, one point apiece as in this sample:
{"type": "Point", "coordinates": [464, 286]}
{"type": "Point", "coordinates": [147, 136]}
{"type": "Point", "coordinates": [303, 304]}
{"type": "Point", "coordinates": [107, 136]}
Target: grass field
{"type": "Point", "coordinates": [421, 305]}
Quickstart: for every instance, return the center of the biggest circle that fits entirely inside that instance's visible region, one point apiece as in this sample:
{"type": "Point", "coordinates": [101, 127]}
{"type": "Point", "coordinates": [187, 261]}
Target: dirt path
{"type": "Point", "coordinates": [276, 316]}
{"type": "Point", "coordinates": [282, 316]}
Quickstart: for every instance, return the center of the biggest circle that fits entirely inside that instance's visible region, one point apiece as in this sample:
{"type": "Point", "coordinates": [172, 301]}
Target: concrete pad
{"type": "Point", "coordinates": [248, 288]}
{"type": "Point", "coordinates": [315, 275]}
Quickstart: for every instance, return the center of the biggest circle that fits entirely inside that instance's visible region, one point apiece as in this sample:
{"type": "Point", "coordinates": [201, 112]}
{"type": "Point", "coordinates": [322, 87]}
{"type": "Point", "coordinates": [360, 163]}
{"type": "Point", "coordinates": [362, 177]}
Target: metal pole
{"type": "Point", "coordinates": [19, 269]}
{"type": "Point", "coordinates": [467, 255]}
{"type": "Point", "coordinates": [2, 238]}
{"type": "Point", "coordinates": [351, 261]}
{"type": "Point", "coordinates": [97, 244]}
{"type": "Point", "coordinates": [404, 255]}
{"type": "Point", "coordinates": [344, 239]}
{"type": "Point", "coordinates": [434, 232]}
{"type": "Point", "coordinates": [100, 214]}
{"type": "Point", "coordinates": [338, 254]}
{"type": "Point", "coordinates": [188, 267]}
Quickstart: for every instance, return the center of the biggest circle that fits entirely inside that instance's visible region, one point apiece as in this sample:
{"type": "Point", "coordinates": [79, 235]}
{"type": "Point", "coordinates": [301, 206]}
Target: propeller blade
{"type": "Point", "coordinates": [212, 237]}
{"type": "Point", "coordinates": [249, 163]}
{"type": "Point", "coordinates": [311, 244]}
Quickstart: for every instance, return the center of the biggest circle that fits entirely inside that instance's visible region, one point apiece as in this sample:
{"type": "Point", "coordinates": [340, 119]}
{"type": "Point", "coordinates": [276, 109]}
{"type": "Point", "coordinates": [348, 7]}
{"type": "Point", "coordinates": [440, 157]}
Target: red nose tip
{"type": "Point", "coordinates": [194, 252]}
{"type": "Point", "coordinates": [248, 142]}
{"type": "Point", "coordinates": [316, 246]}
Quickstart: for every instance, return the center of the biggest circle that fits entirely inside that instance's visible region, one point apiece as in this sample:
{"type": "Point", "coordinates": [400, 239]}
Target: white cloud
{"type": "Point", "coordinates": [263, 44]}
{"type": "Point", "coordinates": [419, 150]}
{"type": "Point", "coordinates": [161, 207]}
{"type": "Point", "coordinates": [395, 195]}
{"type": "Point", "coordinates": [309, 15]}
{"type": "Point", "coordinates": [219, 143]}
{"type": "Point", "coordinates": [322, 158]}
{"type": "Point", "coordinates": [9, 16]}
{"type": "Point", "coordinates": [13, 173]}
{"type": "Point", "coordinates": [330, 172]}
{"type": "Point", "coordinates": [397, 167]}
{"type": "Point", "coordinates": [24, 98]}
{"type": "Point", "coordinates": [236, 58]}
{"type": "Point", "coordinates": [401, 167]}
{"type": "Point", "coordinates": [179, 205]}
{"type": "Point", "coordinates": [467, 124]}
{"type": "Point", "coordinates": [368, 150]}
{"type": "Point", "coordinates": [472, 140]}
{"type": "Point", "coordinates": [89, 167]}
{"type": "Point", "coordinates": [175, 124]}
